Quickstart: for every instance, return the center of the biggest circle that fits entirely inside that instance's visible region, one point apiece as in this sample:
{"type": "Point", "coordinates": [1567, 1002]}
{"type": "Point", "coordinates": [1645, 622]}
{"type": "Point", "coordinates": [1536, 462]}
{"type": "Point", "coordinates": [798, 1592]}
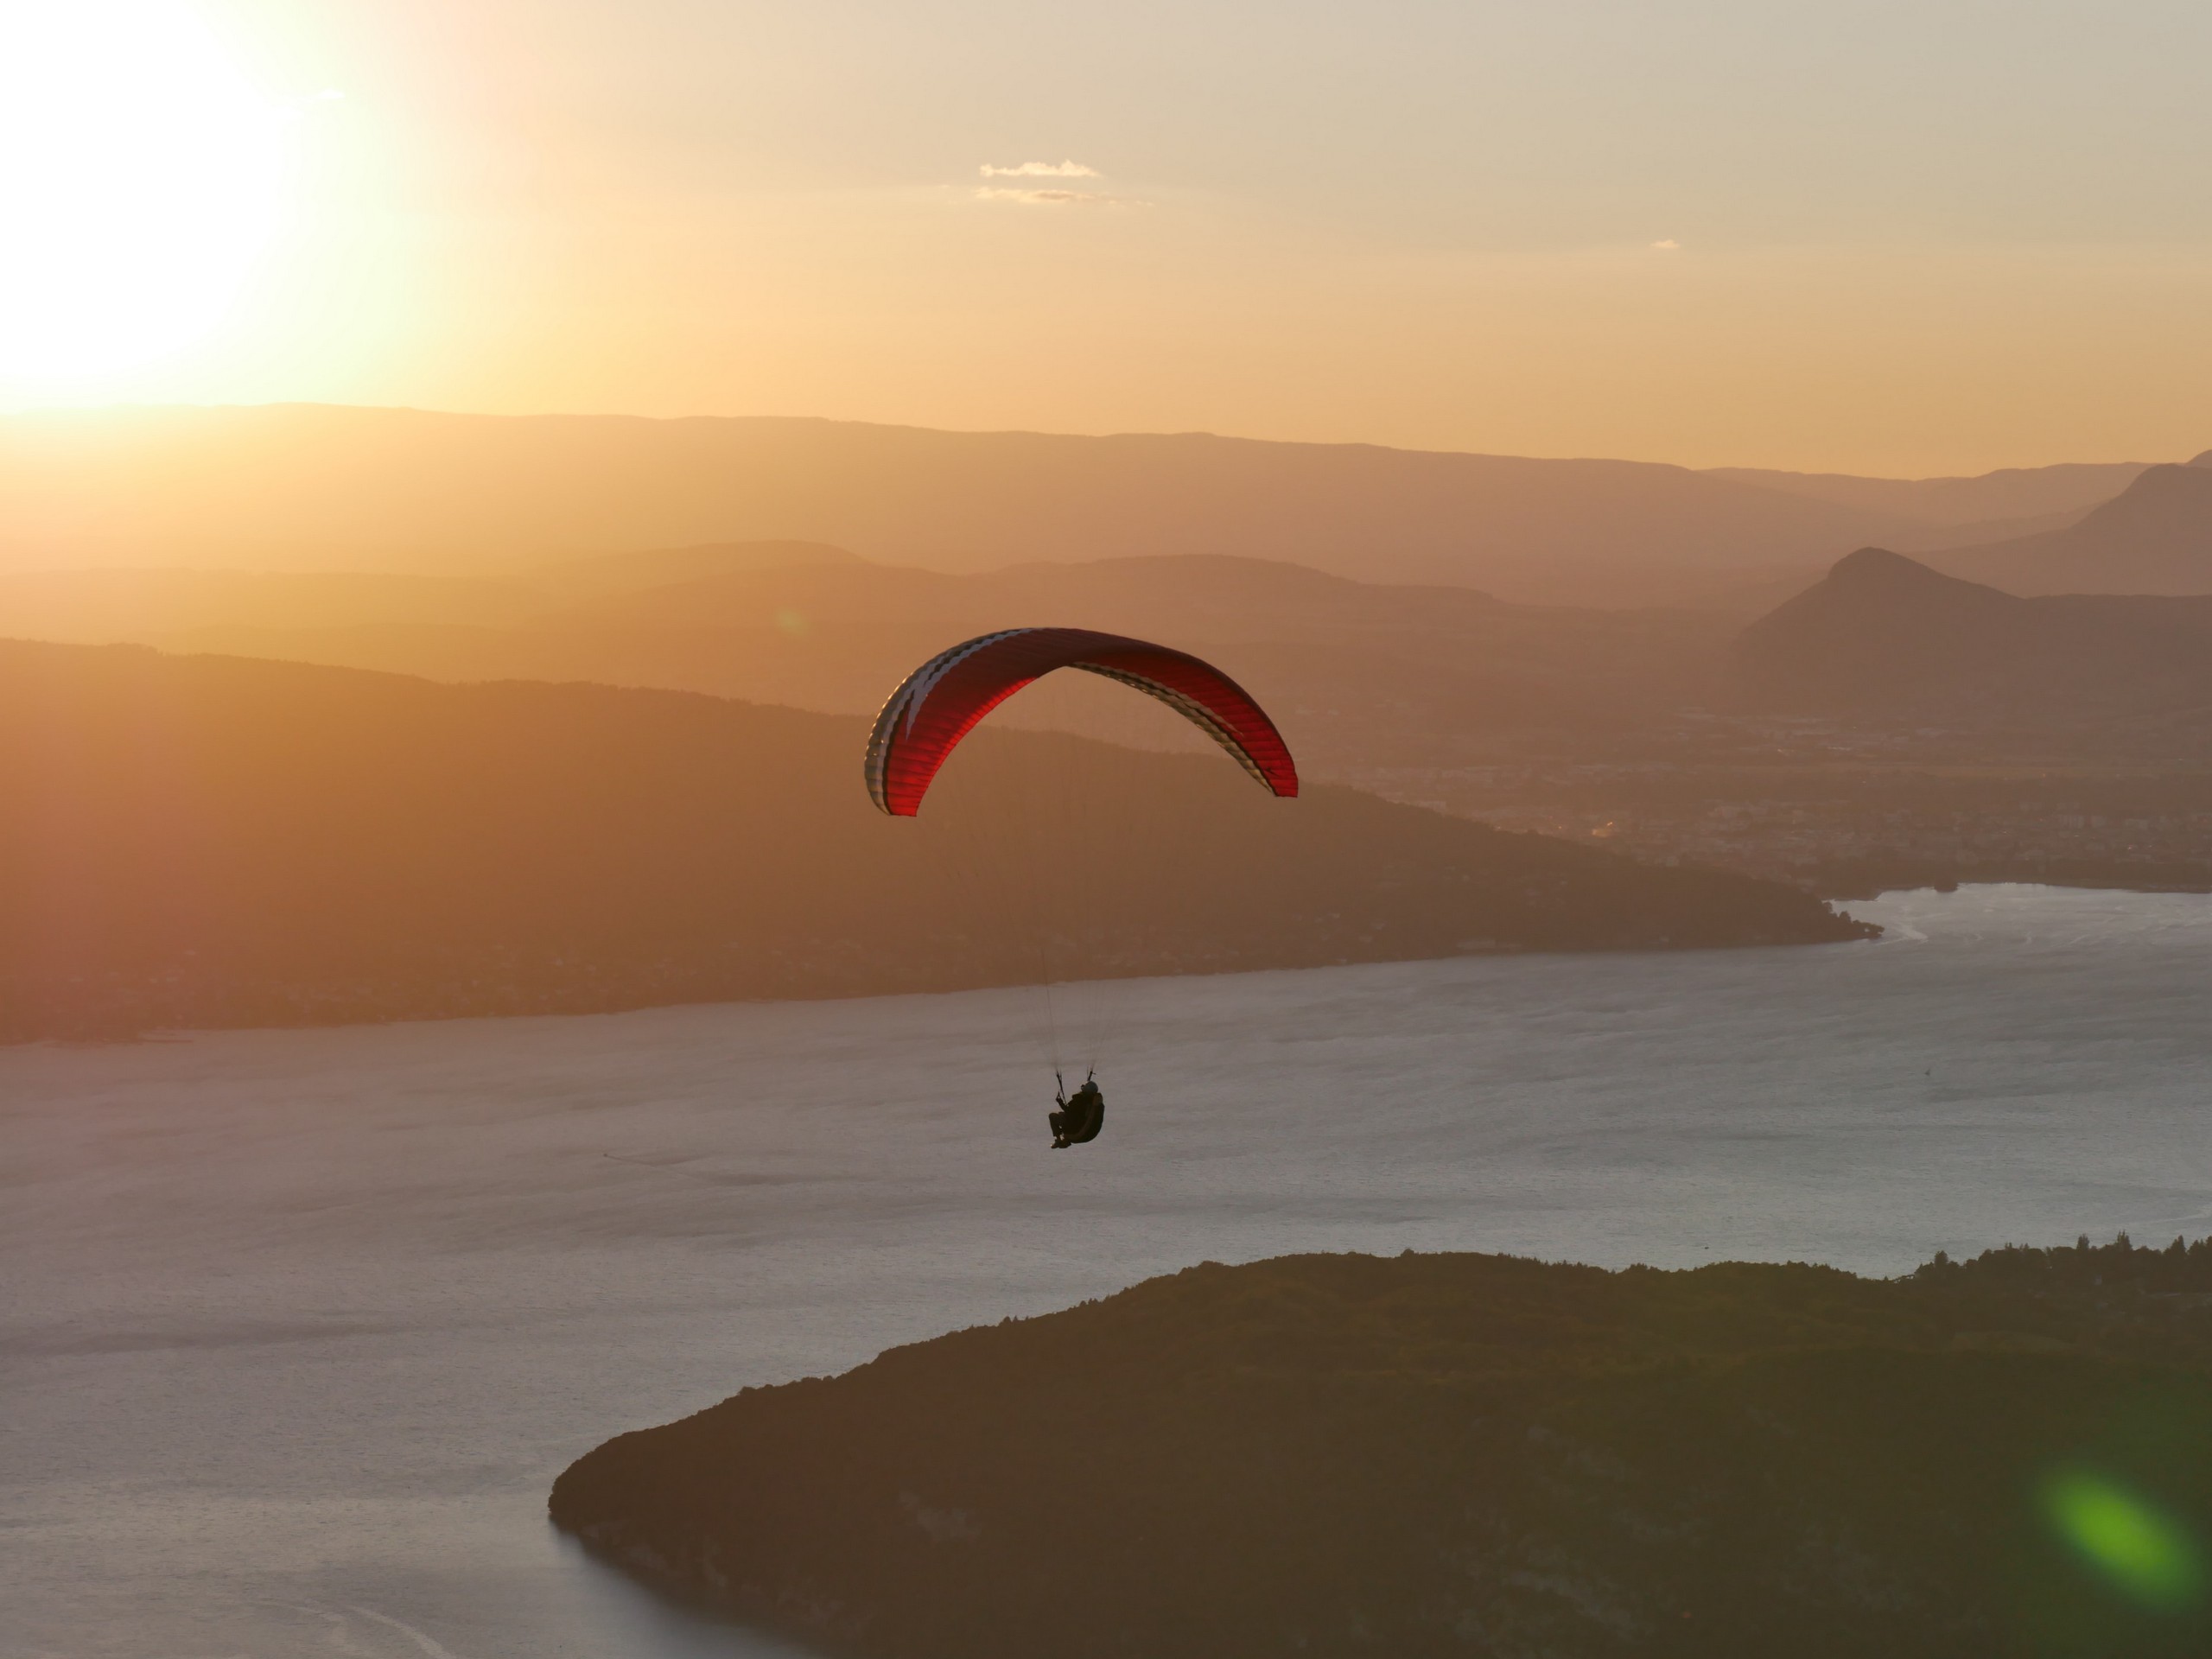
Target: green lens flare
{"type": "Point", "coordinates": [2142, 1552]}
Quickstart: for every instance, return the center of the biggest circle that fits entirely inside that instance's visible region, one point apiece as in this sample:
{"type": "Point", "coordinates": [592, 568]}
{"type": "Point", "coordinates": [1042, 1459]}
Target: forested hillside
{"type": "Point", "coordinates": [1433, 1455]}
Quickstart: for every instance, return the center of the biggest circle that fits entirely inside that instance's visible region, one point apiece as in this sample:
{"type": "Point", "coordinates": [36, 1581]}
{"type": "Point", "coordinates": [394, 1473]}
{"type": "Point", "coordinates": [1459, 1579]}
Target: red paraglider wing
{"type": "Point", "coordinates": [940, 703]}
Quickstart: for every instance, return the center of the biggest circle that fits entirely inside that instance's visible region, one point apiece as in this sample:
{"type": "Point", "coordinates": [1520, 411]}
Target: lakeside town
{"type": "Point", "coordinates": [1846, 811]}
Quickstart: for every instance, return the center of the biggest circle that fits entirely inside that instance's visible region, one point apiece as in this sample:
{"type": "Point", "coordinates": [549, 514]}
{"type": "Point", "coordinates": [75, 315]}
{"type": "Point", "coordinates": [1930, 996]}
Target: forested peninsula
{"type": "Point", "coordinates": [1457, 1454]}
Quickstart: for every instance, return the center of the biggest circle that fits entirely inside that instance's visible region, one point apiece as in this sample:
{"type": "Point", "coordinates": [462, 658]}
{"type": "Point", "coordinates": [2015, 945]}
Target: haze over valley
{"type": "Point", "coordinates": [1834, 731]}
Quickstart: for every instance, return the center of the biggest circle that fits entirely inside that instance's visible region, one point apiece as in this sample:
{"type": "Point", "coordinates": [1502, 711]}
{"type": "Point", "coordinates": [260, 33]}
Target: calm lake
{"type": "Point", "coordinates": [297, 1327]}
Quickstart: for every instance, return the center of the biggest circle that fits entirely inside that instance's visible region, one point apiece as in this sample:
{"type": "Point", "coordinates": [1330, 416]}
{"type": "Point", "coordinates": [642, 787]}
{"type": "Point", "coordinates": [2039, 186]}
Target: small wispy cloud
{"type": "Point", "coordinates": [1049, 195]}
{"type": "Point", "coordinates": [1669, 244]}
{"type": "Point", "coordinates": [1039, 170]}
{"type": "Point", "coordinates": [1043, 198]}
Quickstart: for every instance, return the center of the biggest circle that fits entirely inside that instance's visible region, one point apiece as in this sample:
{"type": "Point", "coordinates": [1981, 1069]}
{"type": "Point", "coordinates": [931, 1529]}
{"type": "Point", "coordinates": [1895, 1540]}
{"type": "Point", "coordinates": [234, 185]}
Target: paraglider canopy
{"type": "Point", "coordinates": [940, 702]}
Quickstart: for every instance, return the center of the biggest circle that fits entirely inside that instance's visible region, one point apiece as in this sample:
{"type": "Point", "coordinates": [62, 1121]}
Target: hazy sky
{"type": "Point", "coordinates": [1906, 238]}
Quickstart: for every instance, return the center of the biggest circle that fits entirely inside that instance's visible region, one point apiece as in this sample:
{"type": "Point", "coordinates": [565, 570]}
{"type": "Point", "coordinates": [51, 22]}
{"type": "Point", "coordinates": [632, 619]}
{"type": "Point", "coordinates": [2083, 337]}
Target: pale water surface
{"type": "Point", "coordinates": [296, 1327]}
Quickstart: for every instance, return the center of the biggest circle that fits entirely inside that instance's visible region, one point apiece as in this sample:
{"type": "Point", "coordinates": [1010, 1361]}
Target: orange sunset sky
{"type": "Point", "coordinates": [1894, 237]}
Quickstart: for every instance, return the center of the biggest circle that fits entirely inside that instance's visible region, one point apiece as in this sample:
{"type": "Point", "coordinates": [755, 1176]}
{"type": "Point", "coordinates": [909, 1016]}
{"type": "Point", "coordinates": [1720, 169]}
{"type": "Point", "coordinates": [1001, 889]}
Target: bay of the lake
{"type": "Point", "coordinates": [296, 1327]}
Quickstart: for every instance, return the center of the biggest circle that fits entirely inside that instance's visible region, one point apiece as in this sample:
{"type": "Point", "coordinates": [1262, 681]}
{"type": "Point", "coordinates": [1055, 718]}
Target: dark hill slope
{"type": "Point", "coordinates": [1884, 638]}
{"type": "Point", "coordinates": [213, 841]}
{"type": "Point", "coordinates": [2154, 538]}
{"type": "Point", "coordinates": [1449, 1455]}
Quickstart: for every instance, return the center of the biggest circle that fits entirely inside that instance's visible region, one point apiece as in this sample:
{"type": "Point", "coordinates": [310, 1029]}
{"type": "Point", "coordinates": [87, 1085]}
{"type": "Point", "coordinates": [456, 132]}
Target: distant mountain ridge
{"type": "Point", "coordinates": [2154, 538]}
{"type": "Point", "coordinates": [116, 605]}
{"type": "Point", "coordinates": [313, 486]}
{"type": "Point", "coordinates": [1883, 636]}
{"type": "Point", "coordinates": [2011, 493]}
{"type": "Point", "coordinates": [618, 572]}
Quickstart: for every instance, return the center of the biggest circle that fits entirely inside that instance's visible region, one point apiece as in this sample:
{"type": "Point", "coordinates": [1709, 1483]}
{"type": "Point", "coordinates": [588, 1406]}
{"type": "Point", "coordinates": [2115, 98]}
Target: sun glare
{"type": "Point", "coordinates": [140, 179]}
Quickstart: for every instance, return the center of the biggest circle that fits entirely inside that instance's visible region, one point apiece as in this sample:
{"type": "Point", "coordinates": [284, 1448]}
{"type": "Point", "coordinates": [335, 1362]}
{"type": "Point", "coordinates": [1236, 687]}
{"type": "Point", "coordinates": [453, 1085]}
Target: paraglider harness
{"type": "Point", "coordinates": [1079, 1119]}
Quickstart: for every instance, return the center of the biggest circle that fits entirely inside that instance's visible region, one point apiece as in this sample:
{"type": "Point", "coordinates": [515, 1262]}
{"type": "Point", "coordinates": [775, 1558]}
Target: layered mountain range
{"type": "Point", "coordinates": [312, 486]}
{"type": "Point", "coordinates": [1797, 748]}
{"type": "Point", "coordinates": [1365, 674]}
